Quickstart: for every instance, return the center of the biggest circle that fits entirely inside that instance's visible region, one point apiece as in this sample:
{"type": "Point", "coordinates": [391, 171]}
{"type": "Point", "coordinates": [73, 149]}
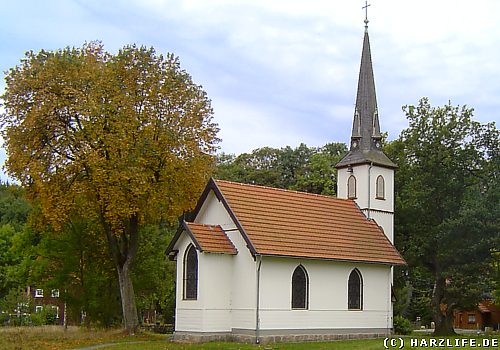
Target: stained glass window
{"type": "Point", "coordinates": [380, 187]}
{"type": "Point", "coordinates": [190, 273]}
{"type": "Point", "coordinates": [355, 291]}
{"type": "Point", "coordinates": [351, 187]}
{"type": "Point", "coordinates": [299, 288]}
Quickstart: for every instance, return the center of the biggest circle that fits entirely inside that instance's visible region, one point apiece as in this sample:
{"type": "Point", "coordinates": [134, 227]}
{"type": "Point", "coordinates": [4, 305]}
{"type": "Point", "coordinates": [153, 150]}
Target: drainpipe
{"type": "Point", "coordinates": [257, 308]}
{"type": "Point", "coordinates": [369, 189]}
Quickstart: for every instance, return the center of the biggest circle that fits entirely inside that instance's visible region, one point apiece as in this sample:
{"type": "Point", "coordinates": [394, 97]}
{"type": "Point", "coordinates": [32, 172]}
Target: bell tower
{"type": "Point", "coordinates": [366, 174]}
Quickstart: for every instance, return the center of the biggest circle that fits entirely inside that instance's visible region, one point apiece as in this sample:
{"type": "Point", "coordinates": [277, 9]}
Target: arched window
{"type": "Point", "coordinates": [300, 288]}
{"type": "Point", "coordinates": [380, 187]}
{"type": "Point", "coordinates": [355, 291]}
{"type": "Point", "coordinates": [351, 187]}
{"type": "Point", "coordinates": [190, 273]}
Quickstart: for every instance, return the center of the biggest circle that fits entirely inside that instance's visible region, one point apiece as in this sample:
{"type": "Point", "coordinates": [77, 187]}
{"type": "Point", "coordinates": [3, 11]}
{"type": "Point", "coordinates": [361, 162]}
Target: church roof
{"type": "Point", "coordinates": [298, 224]}
{"type": "Point", "coordinates": [365, 136]}
{"type": "Point", "coordinates": [286, 223]}
{"type": "Point", "coordinates": [209, 238]}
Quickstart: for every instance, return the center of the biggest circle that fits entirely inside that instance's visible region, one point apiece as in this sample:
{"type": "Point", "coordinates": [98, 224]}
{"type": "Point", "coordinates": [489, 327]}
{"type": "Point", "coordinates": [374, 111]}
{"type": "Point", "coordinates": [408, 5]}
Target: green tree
{"type": "Point", "coordinates": [445, 186]}
{"type": "Point", "coordinates": [123, 139]}
{"type": "Point", "coordinates": [319, 174]}
{"type": "Point", "coordinates": [14, 211]}
{"type": "Point", "coordinates": [496, 273]}
{"type": "Point", "coordinates": [76, 261]}
{"type": "Point", "coordinates": [302, 168]}
{"type": "Point", "coordinates": [153, 274]}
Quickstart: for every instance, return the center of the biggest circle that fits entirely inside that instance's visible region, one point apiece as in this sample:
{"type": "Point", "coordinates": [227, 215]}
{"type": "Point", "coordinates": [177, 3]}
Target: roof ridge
{"type": "Point", "coordinates": [200, 224]}
{"type": "Point", "coordinates": [285, 190]}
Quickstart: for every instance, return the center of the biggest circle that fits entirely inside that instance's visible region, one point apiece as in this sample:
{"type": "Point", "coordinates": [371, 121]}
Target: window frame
{"type": "Point", "coordinates": [380, 187]}
{"type": "Point", "coordinates": [190, 292]}
{"type": "Point", "coordinates": [56, 309]}
{"type": "Point", "coordinates": [352, 194]}
{"type": "Point", "coordinates": [54, 293]}
{"type": "Point", "coordinates": [359, 293]}
{"type": "Point", "coordinates": [38, 293]}
{"type": "Point", "coordinates": [304, 301]}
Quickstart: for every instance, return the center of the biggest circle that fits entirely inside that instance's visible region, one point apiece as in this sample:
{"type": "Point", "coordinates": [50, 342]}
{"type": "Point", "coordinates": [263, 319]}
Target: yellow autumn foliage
{"type": "Point", "coordinates": [107, 135]}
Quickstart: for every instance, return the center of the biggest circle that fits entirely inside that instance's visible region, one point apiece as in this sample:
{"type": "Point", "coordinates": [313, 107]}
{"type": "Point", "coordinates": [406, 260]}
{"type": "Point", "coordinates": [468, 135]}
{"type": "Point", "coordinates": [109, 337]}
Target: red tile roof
{"type": "Point", "coordinates": [211, 238]}
{"type": "Point", "coordinates": [297, 224]}
{"type": "Point", "coordinates": [487, 306]}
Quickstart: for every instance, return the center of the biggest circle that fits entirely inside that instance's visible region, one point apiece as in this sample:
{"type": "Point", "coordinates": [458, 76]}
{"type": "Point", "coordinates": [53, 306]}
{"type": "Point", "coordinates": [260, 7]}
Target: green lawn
{"type": "Point", "coordinates": [55, 338]}
{"type": "Point", "coordinates": [368, 344]}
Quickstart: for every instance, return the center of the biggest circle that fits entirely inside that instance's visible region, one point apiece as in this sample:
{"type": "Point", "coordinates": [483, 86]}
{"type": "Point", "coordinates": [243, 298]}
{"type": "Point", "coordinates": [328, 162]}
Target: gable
{"type": "Point", "coordinates": [211, 210]}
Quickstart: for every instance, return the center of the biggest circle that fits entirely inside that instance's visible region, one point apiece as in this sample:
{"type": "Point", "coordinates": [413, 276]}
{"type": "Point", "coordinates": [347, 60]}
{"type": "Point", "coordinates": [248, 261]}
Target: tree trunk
{"type": "Point", "coordinates": [129, 310]}
{"type": "Point", "coordinates": [442, 314]}
{"type": "Point", "coordinates": [123, 247]}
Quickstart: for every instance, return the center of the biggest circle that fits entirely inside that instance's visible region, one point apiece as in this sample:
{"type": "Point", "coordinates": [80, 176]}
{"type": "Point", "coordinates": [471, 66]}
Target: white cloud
{"type": "Point", "coordinates": [283, 72]}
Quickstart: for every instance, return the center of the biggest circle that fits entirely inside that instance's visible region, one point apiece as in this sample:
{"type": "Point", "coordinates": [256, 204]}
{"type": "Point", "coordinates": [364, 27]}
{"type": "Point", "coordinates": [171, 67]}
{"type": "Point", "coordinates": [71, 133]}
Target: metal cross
{"type": "Point", "coordinates": [366, 11]}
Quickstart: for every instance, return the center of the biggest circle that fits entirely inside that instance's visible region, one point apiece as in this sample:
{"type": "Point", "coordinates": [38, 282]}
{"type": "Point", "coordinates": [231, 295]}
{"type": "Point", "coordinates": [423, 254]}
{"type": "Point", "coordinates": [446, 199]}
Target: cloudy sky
{"type": "Point", "coordinates": [282, 72]}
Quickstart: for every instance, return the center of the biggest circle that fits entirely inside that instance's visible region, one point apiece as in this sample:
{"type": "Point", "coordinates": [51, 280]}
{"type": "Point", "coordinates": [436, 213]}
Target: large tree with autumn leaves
{"type": "Point", "coordinates": [124, 139]}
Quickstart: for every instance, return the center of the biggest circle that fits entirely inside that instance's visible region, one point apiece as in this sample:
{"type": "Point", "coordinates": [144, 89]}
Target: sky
{"type": "Point", "coordinates": [284, 72]}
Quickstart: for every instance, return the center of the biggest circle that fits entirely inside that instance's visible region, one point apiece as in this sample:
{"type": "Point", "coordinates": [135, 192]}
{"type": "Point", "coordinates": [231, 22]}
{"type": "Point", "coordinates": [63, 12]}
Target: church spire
{"type": "Point", "coordinates": [366, 137]}
{"type": "Point", "coordinates": [366, 128]}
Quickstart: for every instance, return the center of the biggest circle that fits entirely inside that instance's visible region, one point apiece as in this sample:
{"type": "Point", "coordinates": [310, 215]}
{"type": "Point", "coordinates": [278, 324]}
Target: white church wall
{"type": "Point", "coordinates": [243, 280]}
{"type": "Point", "coordinates": [327, 296]}
{"type": "Point", "coordinates": [360, 172]}
{"type": "Point", "coordinates": [188, 315]}
{"type": "Point", "coordinates": [384, 220]}
{"type": "Point", "coordinates": [244, 285]}
{"type": "Point", "coordinates": [386, 204]}
{"type": "Point", "coordinates": [215, 273]}
{"type": "Point", "coordinates": [213, 212]}
{"type": "Point", "coordinates": [342, 176]}
{"type": "Point", "coordinates": [211, 311]}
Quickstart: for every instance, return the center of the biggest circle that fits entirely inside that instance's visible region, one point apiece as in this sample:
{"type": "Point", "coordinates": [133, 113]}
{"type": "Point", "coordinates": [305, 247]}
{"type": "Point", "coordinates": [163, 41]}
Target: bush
{"type": "Point", "coordinates": [402, 325]}
{"type": "Point", "coordinates": [48, 316]}
{"type": "Point", "coordinates": [37, 319]}
{"type": "Point", "coordinates": [4, 319]}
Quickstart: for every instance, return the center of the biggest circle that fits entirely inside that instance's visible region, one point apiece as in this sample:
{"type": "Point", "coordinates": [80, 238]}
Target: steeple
{"type": "Point", "coordinates": [365, 137]}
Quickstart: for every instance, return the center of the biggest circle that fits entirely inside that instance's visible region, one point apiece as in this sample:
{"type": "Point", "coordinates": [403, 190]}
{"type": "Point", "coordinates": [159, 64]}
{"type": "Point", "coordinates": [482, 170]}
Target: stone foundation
{"type": "Point", "coordinates": [285, 336]}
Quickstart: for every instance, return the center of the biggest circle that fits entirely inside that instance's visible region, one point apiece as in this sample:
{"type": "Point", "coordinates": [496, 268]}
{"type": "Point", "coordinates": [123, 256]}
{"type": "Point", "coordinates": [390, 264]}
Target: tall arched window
{"type": "Point", "coordinates": [355, 291]}
{"type": "Point", "coordinates": [300, 288]}
{"type": "Point", "coordinates": [380, 187]}
{"type": "Point", "coordinates": [351, 187]}
{"type": "Point", "coordinates": [190, 274]}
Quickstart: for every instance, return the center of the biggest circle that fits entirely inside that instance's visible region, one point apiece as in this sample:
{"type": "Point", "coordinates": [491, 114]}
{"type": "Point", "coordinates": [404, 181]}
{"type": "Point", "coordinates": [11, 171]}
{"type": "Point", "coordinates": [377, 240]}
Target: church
{"type": "Point", "coordinates": [259, 264]}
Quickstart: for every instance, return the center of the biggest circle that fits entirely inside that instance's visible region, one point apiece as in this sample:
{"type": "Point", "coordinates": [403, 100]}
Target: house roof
{"type": "Point", "coordinates": [487, 306]}
{"type": "Point", "coordinates": [209, 238]}
{"type": "Point", "coordinates": [297, 224]}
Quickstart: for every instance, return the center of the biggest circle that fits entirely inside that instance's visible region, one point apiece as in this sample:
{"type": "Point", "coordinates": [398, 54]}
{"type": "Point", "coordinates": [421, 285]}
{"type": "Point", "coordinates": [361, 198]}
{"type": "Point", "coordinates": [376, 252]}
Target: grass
{"type": "Point", "coordinates": [367, 344]}
{"type": "Point", "coordinates": [55, 338]}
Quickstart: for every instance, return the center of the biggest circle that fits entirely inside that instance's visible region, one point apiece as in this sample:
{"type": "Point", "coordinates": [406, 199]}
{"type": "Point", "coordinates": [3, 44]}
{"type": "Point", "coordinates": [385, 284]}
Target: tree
{"type": "Point", "coordinates": [446, 183]}
{"type": "Point", "coordinates": [303, 168]}
{"type": "Point", "coordinates": [124, 139]}
{"type": "Point", "coordinates": [76, 261]}
{"type": "Point", "coordinates": [319, 175]}
{"type": "Point", "coordinates": [14, 211]}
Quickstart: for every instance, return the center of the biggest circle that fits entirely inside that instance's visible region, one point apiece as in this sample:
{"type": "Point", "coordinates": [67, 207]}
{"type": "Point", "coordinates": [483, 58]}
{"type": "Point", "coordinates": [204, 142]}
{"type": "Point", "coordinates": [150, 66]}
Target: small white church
{"type": "Point", "coordinates": [260, 264]}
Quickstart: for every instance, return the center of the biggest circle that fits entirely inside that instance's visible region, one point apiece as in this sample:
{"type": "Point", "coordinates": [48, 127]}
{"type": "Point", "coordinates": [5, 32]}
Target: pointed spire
{"type": "Point", "coordinates": [366, 113]}
{"type": "Point", "coordinates": [365, 137]}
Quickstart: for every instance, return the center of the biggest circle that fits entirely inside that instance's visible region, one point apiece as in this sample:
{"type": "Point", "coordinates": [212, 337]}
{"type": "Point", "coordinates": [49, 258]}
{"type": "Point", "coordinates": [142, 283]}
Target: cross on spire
{"type": "Point", "coordinates": [366, 13]}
